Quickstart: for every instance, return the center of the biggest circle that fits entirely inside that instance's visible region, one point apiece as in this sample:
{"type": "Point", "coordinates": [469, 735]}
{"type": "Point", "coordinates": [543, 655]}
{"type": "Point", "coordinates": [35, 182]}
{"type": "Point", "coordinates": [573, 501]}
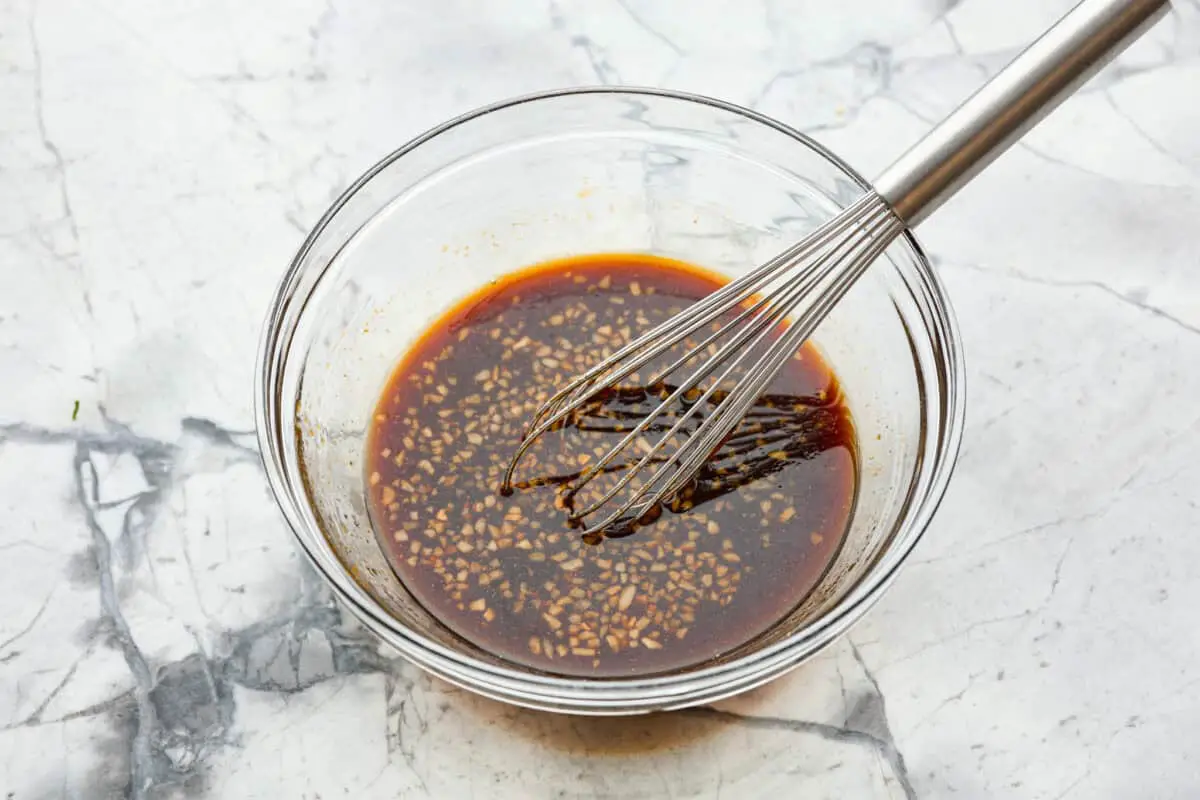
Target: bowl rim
{"type": "Point", "coordinates": [609, 695]}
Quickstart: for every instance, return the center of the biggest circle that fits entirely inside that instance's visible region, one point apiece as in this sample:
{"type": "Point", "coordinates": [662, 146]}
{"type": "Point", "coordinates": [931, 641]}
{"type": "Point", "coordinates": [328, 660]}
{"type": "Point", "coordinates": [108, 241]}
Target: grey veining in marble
{"type": "Point", "coordinates": [159, 636]}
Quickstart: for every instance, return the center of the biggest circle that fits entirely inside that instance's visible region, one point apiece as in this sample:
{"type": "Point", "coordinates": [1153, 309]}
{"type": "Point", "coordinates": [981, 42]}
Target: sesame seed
{"type": "Point", "coordinates": [626, 598]}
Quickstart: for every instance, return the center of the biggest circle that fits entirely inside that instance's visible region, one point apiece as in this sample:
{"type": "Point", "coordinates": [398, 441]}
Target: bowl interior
{"type": "Point", "coordinates": [563, 175]}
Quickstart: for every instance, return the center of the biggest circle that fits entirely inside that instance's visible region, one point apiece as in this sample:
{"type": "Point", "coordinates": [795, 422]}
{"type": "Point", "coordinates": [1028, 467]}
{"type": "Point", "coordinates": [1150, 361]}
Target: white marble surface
{"type": "Point", "coordinates": [159, 163]}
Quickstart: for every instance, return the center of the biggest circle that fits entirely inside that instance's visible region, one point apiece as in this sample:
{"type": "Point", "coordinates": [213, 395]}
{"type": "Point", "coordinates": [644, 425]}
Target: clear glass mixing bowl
{"type": "Point", "coordinates": [567, 173]}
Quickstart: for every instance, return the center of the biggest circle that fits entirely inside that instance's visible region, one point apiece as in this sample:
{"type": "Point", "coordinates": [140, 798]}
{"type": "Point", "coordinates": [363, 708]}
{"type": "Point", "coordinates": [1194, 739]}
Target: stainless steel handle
{"type": "Point", "coordinates": [1036, 81]}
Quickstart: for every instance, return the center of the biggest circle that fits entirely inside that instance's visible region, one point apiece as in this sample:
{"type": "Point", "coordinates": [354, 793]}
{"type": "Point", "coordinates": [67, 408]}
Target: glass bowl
{"type": "Point", "coordinates": [568, 173]}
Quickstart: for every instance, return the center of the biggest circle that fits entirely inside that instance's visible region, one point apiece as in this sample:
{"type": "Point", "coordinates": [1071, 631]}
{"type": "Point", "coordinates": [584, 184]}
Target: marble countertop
{"type": "Point", "coordinates": [159, 635]}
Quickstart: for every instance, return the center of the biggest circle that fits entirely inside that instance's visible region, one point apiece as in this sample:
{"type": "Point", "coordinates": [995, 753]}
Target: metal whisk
{"type": "Point", "coordinates": [741, 335]}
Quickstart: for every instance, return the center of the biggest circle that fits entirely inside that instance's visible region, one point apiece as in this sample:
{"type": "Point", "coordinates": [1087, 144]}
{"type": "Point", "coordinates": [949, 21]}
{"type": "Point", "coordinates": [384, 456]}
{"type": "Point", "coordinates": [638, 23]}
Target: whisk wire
{"type": "Point", "coordinates": [873, 236]}
{"type": "Point", "coordinates": [753, 336]}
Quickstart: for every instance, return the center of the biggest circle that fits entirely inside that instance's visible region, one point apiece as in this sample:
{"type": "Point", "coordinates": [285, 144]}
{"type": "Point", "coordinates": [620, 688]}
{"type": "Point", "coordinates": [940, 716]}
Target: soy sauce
{"type": "Point", "coordinates": [721, 564]}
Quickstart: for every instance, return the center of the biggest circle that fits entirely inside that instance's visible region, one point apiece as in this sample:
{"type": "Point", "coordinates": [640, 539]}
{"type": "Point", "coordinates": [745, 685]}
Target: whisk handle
{"type": "Point", "coordinates": [1012, 102]}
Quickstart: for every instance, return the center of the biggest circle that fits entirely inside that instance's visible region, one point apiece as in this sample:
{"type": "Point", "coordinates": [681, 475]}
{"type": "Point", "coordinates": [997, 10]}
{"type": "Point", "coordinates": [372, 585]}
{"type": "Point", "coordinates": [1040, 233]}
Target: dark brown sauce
{"type": "Point", "coordinates": [730, 556]}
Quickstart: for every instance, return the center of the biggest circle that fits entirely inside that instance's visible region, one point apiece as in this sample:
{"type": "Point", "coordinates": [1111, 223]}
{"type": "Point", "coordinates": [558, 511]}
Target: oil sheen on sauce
{"type": "Point", "coordinates": [720, 566]}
